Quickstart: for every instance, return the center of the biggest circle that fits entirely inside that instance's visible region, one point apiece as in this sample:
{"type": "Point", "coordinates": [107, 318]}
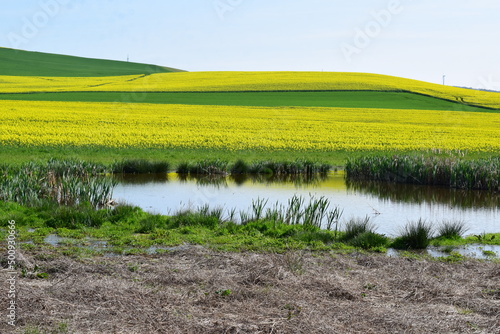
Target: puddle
{"type": "Point", "coordinates": [154, 249]}
{"type": "Point", "coordinates": [53, 239]}
{"type": "Point", "coordinates": [473, 251]}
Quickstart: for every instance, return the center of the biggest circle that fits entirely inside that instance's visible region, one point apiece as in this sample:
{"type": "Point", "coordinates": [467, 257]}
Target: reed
{"type": "Point", "coordinates": [240, 167]}
{"type": "Point", "coordinates": [183, 168]}
{"type": "Point", "coordinates": [258, 208]}
{"type": "Point", "coordinates": [316, 212]}
{"type": "Point", "coordinates": [140, 166]}
{"type": "Point", "coordinates": [67, 182]}
{"type": "Point", "coordinates": [297, 167]}
{"type": "Point", "coordinates": [204, 167]}
{"type": "Point", "coordinates": [454, 172]}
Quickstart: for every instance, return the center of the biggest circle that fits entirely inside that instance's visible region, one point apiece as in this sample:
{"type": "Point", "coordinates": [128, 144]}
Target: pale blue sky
{"type": "Point", "coordinates": [421, 39]}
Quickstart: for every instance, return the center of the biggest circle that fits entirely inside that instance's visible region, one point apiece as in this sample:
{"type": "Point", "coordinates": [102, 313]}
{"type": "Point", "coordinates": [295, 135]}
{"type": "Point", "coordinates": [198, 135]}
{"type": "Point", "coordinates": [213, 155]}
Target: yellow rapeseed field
{"type": "Point", "coordinates": [247, 81]}
{"type": "Point", "coordinates": [120, 125]}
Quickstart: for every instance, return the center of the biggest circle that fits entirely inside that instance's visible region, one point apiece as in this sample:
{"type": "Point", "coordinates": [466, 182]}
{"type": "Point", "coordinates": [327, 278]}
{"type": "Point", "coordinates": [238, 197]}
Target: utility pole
{"type": "Point", "coordinates": [444, 76]}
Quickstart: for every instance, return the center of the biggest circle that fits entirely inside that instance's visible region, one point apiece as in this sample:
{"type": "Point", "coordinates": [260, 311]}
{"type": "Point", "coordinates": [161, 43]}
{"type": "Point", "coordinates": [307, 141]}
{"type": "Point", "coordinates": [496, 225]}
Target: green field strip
{"type": "Point", "coordinates": [26, 63]}
{"type": "Point", "coordinates": [341, 99]}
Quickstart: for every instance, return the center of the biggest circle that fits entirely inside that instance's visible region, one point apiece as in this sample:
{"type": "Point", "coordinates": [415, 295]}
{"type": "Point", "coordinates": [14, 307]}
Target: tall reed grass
{"type": "Point", "coordinates": [65, 182]}
{"type": "Point", "coordinates": [140, 166]}
{"type": "Point", "coordinates": [316, 212]}
{"type": "Point", "coordinates": [297, 167]}
{"type": "Point", "coordinates": [204, 167]}
{"type": "Point", "coordinates": [419, 169]}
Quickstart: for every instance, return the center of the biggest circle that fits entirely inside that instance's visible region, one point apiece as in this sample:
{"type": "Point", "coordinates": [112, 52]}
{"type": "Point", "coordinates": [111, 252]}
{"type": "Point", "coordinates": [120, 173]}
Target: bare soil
{"type": "Point", "coordinates": [197, 290]}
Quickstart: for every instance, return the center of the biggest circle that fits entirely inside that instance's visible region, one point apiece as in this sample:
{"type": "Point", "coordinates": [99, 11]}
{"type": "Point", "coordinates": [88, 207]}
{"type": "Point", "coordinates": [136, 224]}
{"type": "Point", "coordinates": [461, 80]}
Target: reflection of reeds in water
{"type": "Point", "coordinates": [295, 179]}
{"type": "Point", "coordinates": [68, 182]}
{"type": "Point", "coordinates": [141, 178]}
{"type": "Point", "coordinates": [418, 169]}
{"type": "Point", "coordinates": [218, 181]}
{"type": "Point", "coordinates": [409, 193]}
{"type": "Point", "coordinates": [223, 181]}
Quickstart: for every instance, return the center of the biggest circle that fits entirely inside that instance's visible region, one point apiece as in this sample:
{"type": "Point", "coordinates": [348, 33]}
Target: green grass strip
{"type": "Point", "coordinates": [341, 99]}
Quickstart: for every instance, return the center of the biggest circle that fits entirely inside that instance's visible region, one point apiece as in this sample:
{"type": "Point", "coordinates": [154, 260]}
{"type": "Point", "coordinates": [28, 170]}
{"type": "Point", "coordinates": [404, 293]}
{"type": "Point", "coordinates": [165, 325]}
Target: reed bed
{"type": "Point", "coordinates": [65, 182]}
{"type": "Point", "coordinates": [140, 166]}
{"type": "Point", "coordinates": [316, 212]}
{"type": "Point", "coordinates": [419, 169]}
{"type": "Point", "coordinates": [204, 167]}
{"type": "Point", "coordinates": [297, 167]}
{"type": "Point", "coordinates": [240, 167]}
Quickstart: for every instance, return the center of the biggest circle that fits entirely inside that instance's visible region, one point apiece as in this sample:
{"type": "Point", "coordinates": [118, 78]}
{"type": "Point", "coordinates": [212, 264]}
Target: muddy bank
{"type": "Point", "coordinates": [197, 290]}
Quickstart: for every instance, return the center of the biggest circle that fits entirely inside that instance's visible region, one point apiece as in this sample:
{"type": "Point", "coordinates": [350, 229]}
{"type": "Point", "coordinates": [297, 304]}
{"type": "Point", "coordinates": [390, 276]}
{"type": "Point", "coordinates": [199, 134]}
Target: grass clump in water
{"type": "Point", "coordinates": [451, 230]}
{"type": "Point", "coordinates": [361, 233]}
{"type": "Point", "coordinates": [414, 235]}
{"type": "Point", "coordinates": [355, 226]}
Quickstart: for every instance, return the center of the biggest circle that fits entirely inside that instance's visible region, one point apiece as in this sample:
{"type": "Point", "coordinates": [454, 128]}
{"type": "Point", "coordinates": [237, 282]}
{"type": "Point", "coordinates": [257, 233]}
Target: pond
{"type": "Point", "coordinates": [389, 206]}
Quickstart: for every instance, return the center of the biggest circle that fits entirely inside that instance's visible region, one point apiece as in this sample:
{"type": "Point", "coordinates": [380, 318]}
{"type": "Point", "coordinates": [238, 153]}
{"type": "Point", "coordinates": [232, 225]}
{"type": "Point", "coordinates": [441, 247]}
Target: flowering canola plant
{"type": "Point", "coordinates": [122, 125]}
{"type": "Point", "coordinates": [247, 81]}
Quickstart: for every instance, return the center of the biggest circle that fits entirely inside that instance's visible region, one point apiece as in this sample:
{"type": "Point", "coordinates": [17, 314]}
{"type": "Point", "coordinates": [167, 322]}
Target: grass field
{"type": "Point", "coordinates": [24, 63]}
{"type": "Point", "coordinates": [342, 99]}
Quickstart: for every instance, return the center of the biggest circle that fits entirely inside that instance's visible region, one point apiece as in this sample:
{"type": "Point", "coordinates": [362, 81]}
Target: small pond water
{"type": "Point", "coordinates": [389, 206]}
{"type": "Point", "coordinates": [471, 250]}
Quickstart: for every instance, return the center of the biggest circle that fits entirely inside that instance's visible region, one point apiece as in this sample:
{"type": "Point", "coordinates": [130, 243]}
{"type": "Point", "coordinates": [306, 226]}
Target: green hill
{"type": "Point", "coordinates": [27, 63]}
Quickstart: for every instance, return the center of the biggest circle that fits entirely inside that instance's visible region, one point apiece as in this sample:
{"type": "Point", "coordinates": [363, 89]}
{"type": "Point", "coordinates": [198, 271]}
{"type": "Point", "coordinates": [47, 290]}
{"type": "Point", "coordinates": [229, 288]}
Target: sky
{"type": "Point", "coordinates": [417, 39]}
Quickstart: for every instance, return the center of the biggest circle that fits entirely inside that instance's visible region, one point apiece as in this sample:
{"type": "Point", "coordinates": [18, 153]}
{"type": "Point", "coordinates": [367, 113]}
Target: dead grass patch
{"type": "Point", "coordinates": [203, 291]}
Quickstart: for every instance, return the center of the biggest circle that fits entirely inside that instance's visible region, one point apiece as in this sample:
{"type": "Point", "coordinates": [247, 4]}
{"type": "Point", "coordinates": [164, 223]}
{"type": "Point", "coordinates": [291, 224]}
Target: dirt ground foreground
{"type": "Point", "coordinates": [197, 290]}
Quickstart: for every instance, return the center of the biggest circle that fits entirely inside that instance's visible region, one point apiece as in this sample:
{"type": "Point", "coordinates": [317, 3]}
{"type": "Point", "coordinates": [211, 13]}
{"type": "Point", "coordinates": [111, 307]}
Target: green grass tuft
{"type": "Point", "coordinates": [356, 226]}
{"type": "Point", "coordinates": [415, 235]}
{"type": "Point", "coordinates": [451, 229]}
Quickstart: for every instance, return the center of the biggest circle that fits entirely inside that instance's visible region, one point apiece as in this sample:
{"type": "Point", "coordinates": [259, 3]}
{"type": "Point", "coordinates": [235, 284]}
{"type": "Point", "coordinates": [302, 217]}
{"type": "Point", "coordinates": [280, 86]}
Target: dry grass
{"type": "Point", "coordinates": [202, 291]}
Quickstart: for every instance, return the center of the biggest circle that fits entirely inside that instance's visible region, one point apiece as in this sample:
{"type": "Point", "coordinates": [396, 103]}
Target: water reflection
{"type": "Point", "coordinates": [389, 206]}
{"type": "Point", "coordinates": [142, 178]}
{"type": "Point", "coordinates": [296, 180]}
{"type": "Point", "coordinates": [223, 181]}
{"type": "Point", "coordinates": [408, 193]}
